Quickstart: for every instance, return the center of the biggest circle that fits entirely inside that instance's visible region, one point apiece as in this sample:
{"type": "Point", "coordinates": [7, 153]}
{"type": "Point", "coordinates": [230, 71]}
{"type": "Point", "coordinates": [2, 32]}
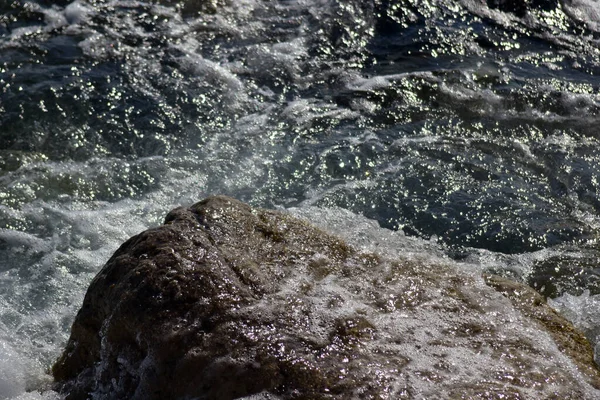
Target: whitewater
{"type": "Point", "coordinates": [455, 130]}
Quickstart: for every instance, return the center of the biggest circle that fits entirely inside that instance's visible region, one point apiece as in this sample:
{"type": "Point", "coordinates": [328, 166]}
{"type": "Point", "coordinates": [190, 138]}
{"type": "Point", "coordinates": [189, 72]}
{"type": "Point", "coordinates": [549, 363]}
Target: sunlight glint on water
{"type": "Point", "coordinates": [469, 128]}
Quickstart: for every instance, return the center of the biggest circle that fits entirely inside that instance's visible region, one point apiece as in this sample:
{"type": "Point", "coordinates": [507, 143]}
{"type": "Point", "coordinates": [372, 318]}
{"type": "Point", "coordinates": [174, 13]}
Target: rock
{"type": "Point", "coordinates": [573, 270]}
{"type": "Point", "coordinates": [226, 301]}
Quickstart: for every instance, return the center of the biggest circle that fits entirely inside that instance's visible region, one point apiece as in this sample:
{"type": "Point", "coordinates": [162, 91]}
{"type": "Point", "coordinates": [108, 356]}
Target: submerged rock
{"type": "Point", "coordinates": [573, 270]}
{"type": "Point", "coordinates": [226, 301]}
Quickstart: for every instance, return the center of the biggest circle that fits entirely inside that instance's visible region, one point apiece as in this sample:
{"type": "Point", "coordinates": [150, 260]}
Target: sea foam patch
{"type": "Point", "coordinates": [584, 312]}
{"type": "Point", "coordinates": [44, 276]}
{"type": "Point", "coordinates": [12, 372]}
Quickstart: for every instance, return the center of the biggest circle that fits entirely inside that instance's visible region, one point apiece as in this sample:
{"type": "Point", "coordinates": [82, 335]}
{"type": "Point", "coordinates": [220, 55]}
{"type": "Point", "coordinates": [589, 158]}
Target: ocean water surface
{"type": "Point", "coordinates": [466, 130]}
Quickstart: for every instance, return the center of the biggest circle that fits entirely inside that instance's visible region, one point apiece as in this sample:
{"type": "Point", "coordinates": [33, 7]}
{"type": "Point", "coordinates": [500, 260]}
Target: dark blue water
{"type": "Point", "coordinates": [471, 123]}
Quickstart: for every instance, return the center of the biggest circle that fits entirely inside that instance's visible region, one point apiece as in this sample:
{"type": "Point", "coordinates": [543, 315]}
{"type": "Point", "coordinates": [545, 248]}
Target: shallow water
{"type": "Point", "coordinates": [464, 126]}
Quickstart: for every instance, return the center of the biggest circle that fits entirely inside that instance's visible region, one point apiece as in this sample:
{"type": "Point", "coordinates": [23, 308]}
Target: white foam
{"type": "Point", "coordinates": [212, 71]}
{"type": "Point", "coordinates": [23, 32]}
{"type": "Point", "coordinates": [304, 112]}
{"type": "Point", "coordinates": [42, 292]}
{"type": "Point", "coordinates": [82, 237]}
{"type": "Point", "coordinates": [54, 18]}
{"type": "Point", "coordinates": [584, 312]}
{"type": "Point", "coordinates": [480, 8]}
{"type": "Point", "coordinates": [35, 395]}
{"type": "Point", "coordinates": [361, 83]}
{"type": "Point", "coordinates": [76, 12]}
{"type": "Point", "coordinates": [366, 235]}
{"type": "Point", "coordinates": [426, 324]}
{"type": "Point", "coordinates": [18, 238]}
{"type": "Point", "coordinates": [587, 11]}
{"type": "Point", "coordinates": [12, 372]}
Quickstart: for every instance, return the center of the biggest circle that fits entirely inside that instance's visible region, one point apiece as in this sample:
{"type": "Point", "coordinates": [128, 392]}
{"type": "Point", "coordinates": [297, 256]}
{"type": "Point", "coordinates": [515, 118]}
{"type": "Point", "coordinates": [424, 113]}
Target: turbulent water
{"type": "Point", "coordinates": [469, 126]}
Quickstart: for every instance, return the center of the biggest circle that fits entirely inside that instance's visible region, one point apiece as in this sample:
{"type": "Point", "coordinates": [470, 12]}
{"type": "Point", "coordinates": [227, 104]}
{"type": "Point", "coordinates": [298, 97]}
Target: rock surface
{"type": "Point", "coordinates": [225, 301]}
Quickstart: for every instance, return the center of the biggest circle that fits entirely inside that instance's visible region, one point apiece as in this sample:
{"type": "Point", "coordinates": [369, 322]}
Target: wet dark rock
{"type": "Point", "coordinates": [572, 271]}
{"type": "Point", "coordinates": [226, 301]}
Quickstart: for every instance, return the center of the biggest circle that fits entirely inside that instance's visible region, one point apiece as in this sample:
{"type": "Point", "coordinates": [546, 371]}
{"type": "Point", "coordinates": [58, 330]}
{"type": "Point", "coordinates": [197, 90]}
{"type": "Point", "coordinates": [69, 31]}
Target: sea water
{"type": "Point", "coordinates": [462, 130]}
